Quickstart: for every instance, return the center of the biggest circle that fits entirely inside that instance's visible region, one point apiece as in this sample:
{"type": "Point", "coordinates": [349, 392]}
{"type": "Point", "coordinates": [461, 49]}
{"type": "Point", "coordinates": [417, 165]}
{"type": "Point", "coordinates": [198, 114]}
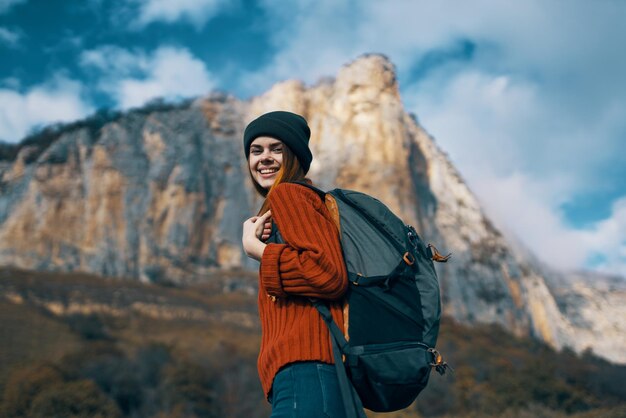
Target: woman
{"type": "Point", "coordinates": [295, 363]}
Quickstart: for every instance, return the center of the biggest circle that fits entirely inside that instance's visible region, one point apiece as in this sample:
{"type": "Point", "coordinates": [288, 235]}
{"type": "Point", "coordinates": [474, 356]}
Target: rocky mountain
{"type": "Point", "coordinates": [159, 195]}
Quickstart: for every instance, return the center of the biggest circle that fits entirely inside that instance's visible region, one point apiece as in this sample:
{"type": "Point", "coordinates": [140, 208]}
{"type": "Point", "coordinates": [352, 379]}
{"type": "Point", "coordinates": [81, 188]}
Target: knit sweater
{"type": "Point", "coordinates": [310, 264]}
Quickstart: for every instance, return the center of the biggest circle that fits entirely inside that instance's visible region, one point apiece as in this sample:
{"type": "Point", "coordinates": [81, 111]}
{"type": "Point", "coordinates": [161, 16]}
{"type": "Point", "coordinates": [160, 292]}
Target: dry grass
{"type": "Point", "coordinates": [28, 336]}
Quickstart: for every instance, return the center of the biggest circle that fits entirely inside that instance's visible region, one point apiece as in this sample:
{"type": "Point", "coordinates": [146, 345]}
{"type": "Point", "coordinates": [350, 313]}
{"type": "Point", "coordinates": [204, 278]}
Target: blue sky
{"type": "Point", "coordinates": [527, 98]}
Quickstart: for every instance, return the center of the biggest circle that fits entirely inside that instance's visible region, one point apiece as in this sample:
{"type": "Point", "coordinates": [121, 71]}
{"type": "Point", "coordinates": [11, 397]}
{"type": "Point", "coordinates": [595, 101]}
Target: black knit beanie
{"type": "Point", "coordinates": [288, 127]}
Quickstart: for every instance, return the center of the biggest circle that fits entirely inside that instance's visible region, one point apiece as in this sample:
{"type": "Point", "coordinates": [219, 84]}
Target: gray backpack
{"type": "Point", "coordinates": [392, 305]}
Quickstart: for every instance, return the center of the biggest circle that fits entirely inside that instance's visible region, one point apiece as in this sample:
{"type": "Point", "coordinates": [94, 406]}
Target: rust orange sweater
{"type": "Point", "coordinates": [310, 264]}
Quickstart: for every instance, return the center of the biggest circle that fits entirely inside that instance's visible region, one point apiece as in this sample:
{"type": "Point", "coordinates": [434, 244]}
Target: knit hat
{"type": "Point", "coordinates": [287, 127]}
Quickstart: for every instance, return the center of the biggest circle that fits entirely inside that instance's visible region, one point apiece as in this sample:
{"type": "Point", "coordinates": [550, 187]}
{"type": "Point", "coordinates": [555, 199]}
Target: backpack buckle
{"type": "Point", "coordinates": [408, 258]}
{"type": "Point", "coordinates": [436, 255]}
{"type": "Point", "coordinates": [439, 365]}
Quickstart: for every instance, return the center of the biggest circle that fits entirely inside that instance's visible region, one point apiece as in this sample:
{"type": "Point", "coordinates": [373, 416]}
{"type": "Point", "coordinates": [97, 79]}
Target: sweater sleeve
{"type": "Point", "coordinates": [311, 262]}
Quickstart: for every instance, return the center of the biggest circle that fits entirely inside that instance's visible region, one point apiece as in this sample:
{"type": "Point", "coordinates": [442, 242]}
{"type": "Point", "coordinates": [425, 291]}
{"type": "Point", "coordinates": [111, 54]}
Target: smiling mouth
{"type": "Point", "coordinates": [267, 171]}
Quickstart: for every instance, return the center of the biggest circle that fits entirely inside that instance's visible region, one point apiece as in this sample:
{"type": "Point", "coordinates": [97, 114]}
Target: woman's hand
{"type": "Point", "coordinates": [254, 229]}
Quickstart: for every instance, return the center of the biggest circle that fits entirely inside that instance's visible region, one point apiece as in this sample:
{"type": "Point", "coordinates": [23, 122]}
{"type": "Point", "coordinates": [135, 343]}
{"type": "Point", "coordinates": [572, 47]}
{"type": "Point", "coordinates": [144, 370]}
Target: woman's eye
{"type": "Point", "coordinates": [278, 150]}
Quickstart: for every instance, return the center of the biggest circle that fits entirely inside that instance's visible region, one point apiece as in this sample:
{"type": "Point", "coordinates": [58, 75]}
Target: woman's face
{"type": "Point", "coordinates": [266, 158]}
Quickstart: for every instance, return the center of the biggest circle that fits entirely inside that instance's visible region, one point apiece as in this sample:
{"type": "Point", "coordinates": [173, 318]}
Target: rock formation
{"type": "Point", "coordinates": [159, 194]}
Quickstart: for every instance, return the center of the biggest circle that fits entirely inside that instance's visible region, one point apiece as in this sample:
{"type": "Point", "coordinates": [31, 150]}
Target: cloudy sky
{"type": "Point", "coordinates": [528, 98]}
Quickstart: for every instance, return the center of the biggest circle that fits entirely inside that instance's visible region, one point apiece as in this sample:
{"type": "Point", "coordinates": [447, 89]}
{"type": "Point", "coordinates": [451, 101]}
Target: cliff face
{"type": "Point", "coordinates": [160, 196]}
{"type": "Point", "coordinates": [153, 196]}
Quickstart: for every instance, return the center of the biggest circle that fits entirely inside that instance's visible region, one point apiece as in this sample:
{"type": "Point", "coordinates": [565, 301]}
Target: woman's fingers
{"type": "Point", "coordinates": [265, 216]}
{"type": "Point", "coordinates": [262, 225]}
{"type": "Point", "coordinates": [267, 231]}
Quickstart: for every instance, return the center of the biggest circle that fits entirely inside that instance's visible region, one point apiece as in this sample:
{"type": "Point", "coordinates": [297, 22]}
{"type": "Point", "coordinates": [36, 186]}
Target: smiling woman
{"type": "Point", "coordinates": [295, 360]}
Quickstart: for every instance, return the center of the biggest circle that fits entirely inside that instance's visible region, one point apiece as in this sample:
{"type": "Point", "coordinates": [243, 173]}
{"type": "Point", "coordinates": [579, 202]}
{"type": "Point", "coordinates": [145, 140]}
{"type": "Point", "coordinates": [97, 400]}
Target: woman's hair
{"type": "Point", "coordinates": [290, 170]}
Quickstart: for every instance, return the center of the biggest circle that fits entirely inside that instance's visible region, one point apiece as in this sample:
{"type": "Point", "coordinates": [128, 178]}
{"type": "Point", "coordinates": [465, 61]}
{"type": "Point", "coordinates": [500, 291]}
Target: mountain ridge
{"type": "Point", "coordinates": [156, 195]}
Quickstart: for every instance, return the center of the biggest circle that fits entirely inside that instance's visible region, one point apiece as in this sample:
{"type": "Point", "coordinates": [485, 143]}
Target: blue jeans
{"type": "Point", "coordinates": [306, 389]}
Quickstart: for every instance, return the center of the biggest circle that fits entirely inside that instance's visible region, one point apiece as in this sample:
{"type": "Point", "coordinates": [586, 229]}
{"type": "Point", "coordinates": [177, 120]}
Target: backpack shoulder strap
{"type": "Point", "coordinates": [331, 205]}
{"type": "Point", "coordinates": [351, 402]}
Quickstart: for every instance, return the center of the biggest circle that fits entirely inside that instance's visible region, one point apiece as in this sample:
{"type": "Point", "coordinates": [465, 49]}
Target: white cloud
{"type": "Point", "coordinates": [478, 118]}
{"type": "Point", "coordinates": [505, 123]}
{"type": "Point", "coordinates": [608, 238]}
{"type": "Point", "coordinates": [197, 12]}
{"type": "Point", "coordinates": [58, 100]}
{"type": "Point", "coordinates": [11, 83]}
{"type": "Point", "coordinates": [312, 39]}
{"type": "Point", "coordinates": [9, 37]}
{"type": "Point", "coordinates": [5, 5]}
{"type": "Point", "coordinates": [115, 60]}
{"type": "Point", "coordinates": [526, 208]}
{"type": "Point", "coordinates": [133, 78]}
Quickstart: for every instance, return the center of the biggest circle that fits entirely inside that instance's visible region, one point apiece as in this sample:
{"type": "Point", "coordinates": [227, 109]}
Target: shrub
{"type": "Point", "coordinates": [24, 385]}
{"type": "Point", "coordinates": [77, 399]}
{"type": "Point", "coordinates": [90, 327]}
{"type": "Point", "coordinates": [188, 388]}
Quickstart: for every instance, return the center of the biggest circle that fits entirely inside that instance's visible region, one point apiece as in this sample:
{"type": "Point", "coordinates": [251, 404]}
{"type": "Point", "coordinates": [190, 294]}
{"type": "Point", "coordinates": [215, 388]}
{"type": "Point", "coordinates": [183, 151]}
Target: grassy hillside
{"type": "Point", "coordinates": [75, 345]}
